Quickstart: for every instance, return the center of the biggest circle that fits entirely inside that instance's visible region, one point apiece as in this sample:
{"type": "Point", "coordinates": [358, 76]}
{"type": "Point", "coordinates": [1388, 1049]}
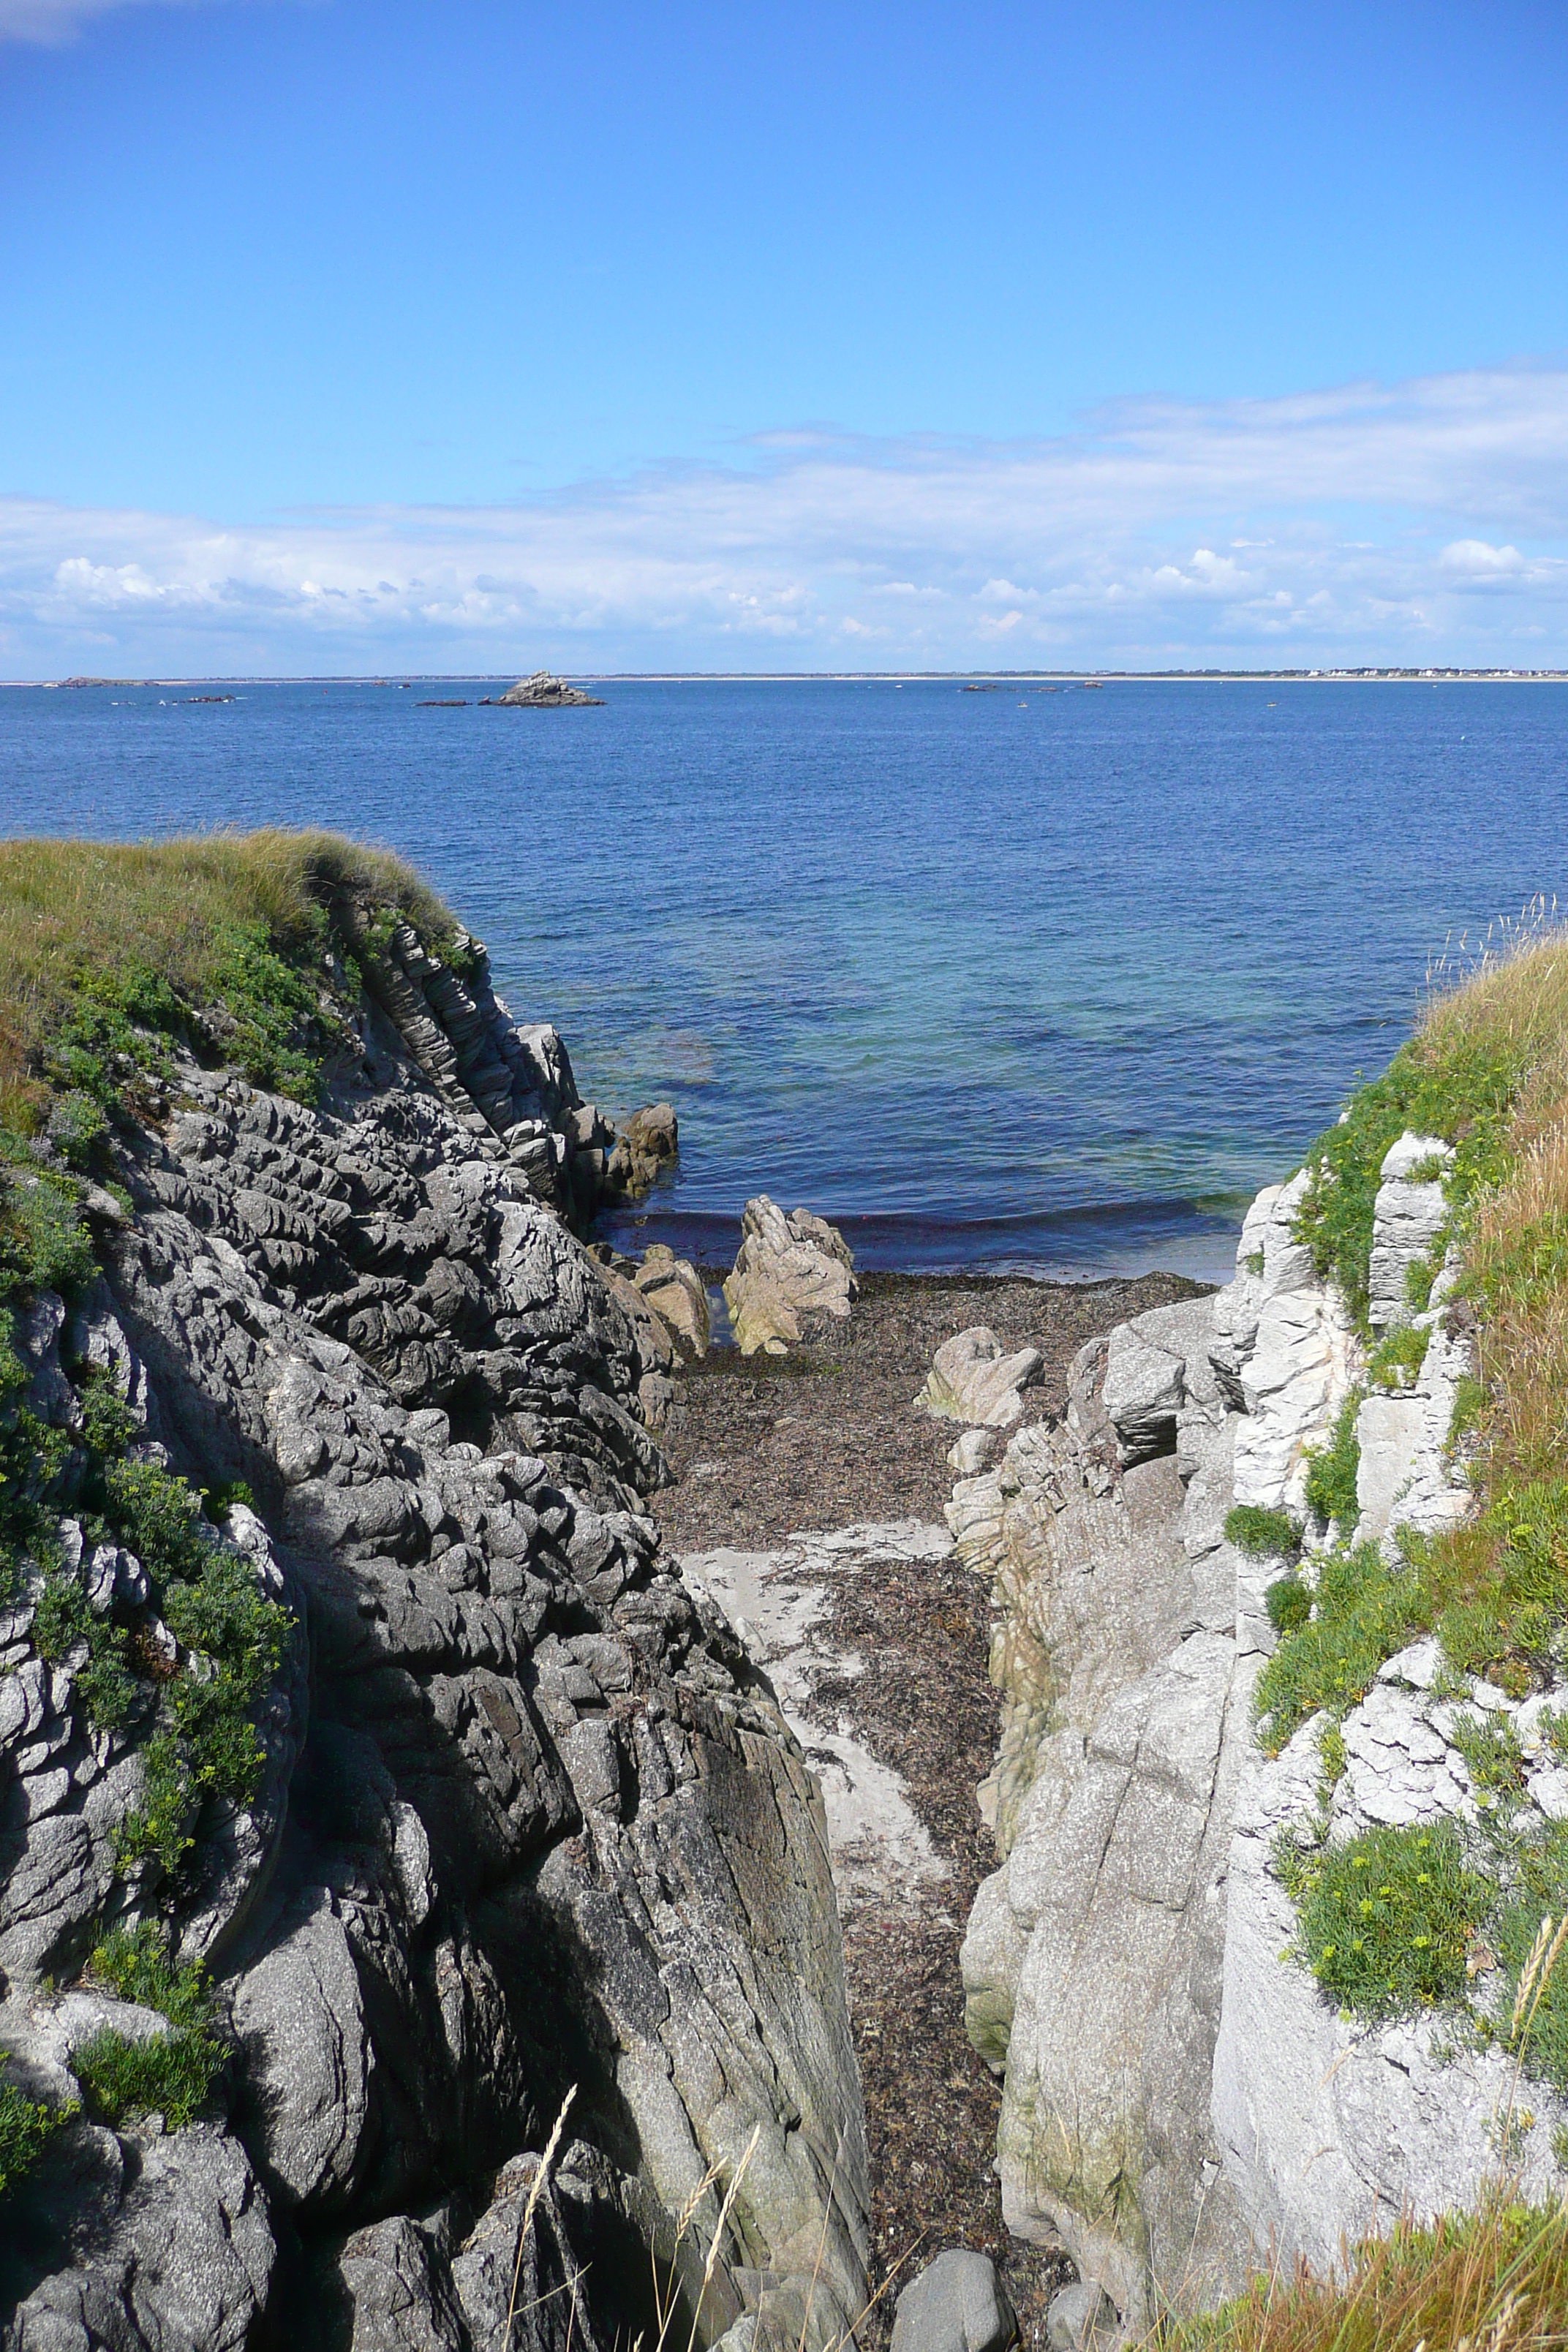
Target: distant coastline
{"type": "Point", "coordinates": [1366, 675]}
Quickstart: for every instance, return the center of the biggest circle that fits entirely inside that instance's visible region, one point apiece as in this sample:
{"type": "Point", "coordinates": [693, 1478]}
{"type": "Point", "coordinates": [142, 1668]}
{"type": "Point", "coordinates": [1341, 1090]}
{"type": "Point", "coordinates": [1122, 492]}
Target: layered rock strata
{"type": "Point", "coordinates": [529, 1821]}
{"type": "Point", "coordinates": [1181, 2102]}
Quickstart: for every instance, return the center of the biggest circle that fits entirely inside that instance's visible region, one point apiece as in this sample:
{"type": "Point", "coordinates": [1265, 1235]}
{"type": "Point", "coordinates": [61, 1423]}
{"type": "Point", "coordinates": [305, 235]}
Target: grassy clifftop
{"type": "Point", "coordinates": [235, 942]}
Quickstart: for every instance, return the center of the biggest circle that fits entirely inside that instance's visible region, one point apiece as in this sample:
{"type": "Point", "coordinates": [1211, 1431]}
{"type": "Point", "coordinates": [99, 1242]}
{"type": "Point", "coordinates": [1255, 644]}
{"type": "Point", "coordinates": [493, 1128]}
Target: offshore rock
{"type": "Point", "coordinates": [543, 691]}
{"type": "Point", "coordinates": [787, 1268]}
{"type": "Point", "coordinates": [527, 1817]}
{"type": "Point", "coordinates": [649, 1142]}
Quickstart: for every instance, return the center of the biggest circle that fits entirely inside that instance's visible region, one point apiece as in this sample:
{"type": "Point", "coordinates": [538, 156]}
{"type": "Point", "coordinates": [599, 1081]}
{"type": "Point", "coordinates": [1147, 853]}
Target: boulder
{"type": "Point", "coordinates": [672, 1287]}
{"type": "Point", "coordinates": [300, 2020]}
{"type": "Point", "coordinates": [1082, 2318]}
{"type": "Point", "coordinates": [650, 1141]}
{"type": "Point", "coordinates": [787, 1269]}
{"type": "Point", "coordinates": [543, 691]}
{"type": "Point", "coordinates": [972, 1453]}
{"type": "Point", "coordinates": [957, 2304]}
{"type": "Point", "coordinates": [971, 1380]}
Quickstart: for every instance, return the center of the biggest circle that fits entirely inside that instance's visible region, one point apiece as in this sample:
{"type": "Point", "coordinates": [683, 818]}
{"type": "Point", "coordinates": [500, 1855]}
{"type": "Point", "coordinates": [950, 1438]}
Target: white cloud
{"type": "Point", "coordinates": [1419, 521]}
{"type": "Point", "coordinates": [51, 24]}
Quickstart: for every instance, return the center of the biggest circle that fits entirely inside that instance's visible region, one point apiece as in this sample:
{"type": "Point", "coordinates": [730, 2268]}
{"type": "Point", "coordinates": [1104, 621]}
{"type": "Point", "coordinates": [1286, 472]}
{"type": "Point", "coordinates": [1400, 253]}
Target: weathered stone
{"type": "Point", "coordinates": [543, 691]}
{"type": "Point", "coordinates": [1082, 2318]}
{"type": "Point", "coordinates": [957, 2304]}
{"type": "Point", "coordinates": [971, 1380]}
{"type": "Point", "coordinates": [787, 1268]}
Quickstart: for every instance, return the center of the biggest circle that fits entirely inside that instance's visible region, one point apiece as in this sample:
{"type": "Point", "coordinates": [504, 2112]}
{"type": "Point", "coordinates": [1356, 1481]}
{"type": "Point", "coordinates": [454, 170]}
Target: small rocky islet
{"type": "Point", "coordinates": [523, 1825]}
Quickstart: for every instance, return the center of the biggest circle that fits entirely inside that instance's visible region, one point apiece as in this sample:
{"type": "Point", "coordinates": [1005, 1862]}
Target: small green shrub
{"type": "Point", "coordinates": [1396, 1362]}
{"type": "Point", "coordinates": [1331, 1474]}
{"type": "Point", "coordinates": [169, 2076]}
{"type": "Point", "coordinates": [1262, 1534]}
{"type": "Point", "coordinates": [44, 1244]}
{"type": "Point", "coordinates": [1289, 1603]}
{"type": "Point", "coordinates": [1469, 1404]}
{"type": "Point", "coordinates": [26, 2127]}
{"type": "Point", "coordinates": [1383, 1920]}
{"type": "Point", "coordinates": [134, 1962]}
{"type": "Point", "coordinates": [1492, 1750]}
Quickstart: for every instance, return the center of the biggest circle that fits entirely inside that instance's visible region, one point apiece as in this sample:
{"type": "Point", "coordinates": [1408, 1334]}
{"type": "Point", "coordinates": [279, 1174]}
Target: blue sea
{"type": "Point", "coordinates": [1018, 980]}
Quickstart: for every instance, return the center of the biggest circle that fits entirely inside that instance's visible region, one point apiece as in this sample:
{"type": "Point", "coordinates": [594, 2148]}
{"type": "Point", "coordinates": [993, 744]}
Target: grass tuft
{"type": "Point", "coordinates": [1491, 2281]}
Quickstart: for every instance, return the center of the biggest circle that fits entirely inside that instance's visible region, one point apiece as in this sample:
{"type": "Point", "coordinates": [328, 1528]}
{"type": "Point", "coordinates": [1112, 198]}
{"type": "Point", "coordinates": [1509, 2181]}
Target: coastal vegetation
{"type": "Point", "coordinates": [246, 950]}
{"type": "Point", "coordinates": [1451, 1914]}
{"type": "Point", "coordinates": [1492, 2281]}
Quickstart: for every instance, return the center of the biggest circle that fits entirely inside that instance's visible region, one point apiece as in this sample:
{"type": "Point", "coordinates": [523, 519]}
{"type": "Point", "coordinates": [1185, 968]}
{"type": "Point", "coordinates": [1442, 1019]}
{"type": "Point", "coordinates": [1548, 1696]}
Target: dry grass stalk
{"type": "Point", "coordinates": [536, 2190]}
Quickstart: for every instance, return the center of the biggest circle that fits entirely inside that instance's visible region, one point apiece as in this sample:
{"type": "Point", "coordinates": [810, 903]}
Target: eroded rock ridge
{"type": "Point", "coordinates": [529, 1821]}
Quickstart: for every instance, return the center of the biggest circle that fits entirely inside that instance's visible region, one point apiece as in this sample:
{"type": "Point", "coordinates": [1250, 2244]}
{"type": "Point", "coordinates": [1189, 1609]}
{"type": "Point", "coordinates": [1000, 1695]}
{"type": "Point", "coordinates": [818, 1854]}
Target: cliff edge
{"type": "Point", "coordinates": [1282, 1638]}
{"type": "Point", "coordinates": [415, 1923]}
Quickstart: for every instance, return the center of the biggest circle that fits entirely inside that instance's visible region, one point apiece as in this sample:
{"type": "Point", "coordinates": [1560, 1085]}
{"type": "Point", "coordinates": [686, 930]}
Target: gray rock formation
{"type": "Point", "coordinates": [649, 1142]}
{"type": "Point", "coordinates": [1179, 2098]}
{"type": "Point", "coordinates": [543, 691]}
{"type": "Point", "coordinates": [973, 1379]}
{"type": "Point", "coordinates": [956, 2304]}
{"type": "Point", "coordinates": [528, 1817]}
{"type": "Point", "coordinates": [787, 1269]}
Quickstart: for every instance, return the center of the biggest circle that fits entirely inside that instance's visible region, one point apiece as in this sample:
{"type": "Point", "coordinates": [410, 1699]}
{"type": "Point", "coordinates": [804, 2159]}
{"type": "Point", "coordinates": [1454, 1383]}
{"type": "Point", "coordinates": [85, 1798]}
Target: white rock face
{"type": "Point", "coordinates": [973, 1379]}
{"type": "Point", "coordinates": [1409, 1216]}
{"type": "Point", "coordinates": [1179, 2100]}
{"type": "Point", "coordinates": [1286, 1347]}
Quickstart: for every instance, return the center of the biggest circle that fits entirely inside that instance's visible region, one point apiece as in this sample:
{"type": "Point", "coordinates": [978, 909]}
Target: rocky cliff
{"type": "Point", "coordinates": [1201, 2075]}
{"type": "Point", "coordinates": [369, 1783]}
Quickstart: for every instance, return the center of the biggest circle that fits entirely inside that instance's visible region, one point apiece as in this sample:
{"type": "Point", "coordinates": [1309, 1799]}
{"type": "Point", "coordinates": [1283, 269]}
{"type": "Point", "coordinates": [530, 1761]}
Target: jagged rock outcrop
{"type": "Point", "coordinates": [543, 691]}
{"type": "Point", "coordinates": [787, 1269]}
{"type": "Point", "coordinates": [676, 1294]}
{"type": "Point", "coordinates": [973, 1379]}
{"type": "Point", "coordinates": [1179, 2099]}
{"type": "Point", "coordinates": [648, 1142]}
{"type": "Point", "coordinates": [527, 1819]}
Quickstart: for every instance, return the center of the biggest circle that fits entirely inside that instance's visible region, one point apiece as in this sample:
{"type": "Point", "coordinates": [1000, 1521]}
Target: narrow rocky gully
{"type": "Point", "coordinates": [808, 1500]}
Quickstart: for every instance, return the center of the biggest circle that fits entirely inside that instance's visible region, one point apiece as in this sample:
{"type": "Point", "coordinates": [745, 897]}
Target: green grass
{"type": "Point", "coordinates": [1331, 1474]}
{"type": "Point", "coordinates": [1363, 1612]}
{"type": "Point", "coordinates": [1398, 1360]}
{"type": "Point", "coordinates": [1454, 1082]}
{"type": "Point", "coordinates": [1492, 2281]}
{"type": "Point", "coordinates": [238, 945]}
{"type": "Point", "coordinates": [26, 2126]}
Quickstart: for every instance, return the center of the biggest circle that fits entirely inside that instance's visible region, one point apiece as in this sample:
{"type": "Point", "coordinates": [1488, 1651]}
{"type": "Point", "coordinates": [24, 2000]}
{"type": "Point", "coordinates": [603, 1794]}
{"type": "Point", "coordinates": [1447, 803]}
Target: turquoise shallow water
{"type": "Point", "coordinates": [1019, 979]}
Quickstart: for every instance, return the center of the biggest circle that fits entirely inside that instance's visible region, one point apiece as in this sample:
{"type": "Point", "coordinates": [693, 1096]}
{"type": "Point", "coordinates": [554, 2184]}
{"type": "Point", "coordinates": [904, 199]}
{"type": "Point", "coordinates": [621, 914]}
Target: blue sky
{"type": "Point", "coordinates": [340, 336]}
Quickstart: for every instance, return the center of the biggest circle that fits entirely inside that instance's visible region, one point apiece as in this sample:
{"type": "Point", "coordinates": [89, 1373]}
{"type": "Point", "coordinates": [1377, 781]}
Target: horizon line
{"type": "Point", "coordinates": [1337, 674]}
